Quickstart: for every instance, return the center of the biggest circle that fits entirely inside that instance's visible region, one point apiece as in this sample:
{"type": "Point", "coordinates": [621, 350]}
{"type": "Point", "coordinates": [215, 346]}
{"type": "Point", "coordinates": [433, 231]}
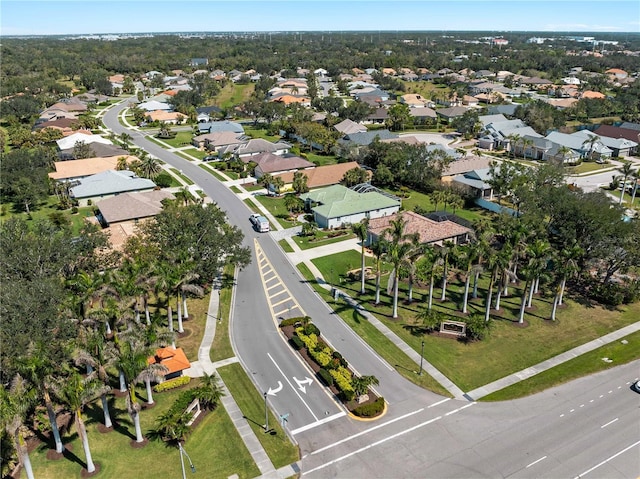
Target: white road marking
{"type": "Point", "coordinates": [459, 409]}
{"type": "Point", "coordinates": [601, 395]}
{"type": "Point", "coordinates": [536, 462]}
{"type": "Point", "coordinates": [591, 400]}
{"type": "Point", "coordinates": [581, 405]}
{"type": "Point", "coordinates": [610, 422]}
{"type": "Point", "coordinates": [561, 415]}
{"type": "Point", "coordinates": [572, 410]}
{"type": "Point", "coordinates": [294, 389]}
{"type": "Point", "coordinates": [607, 460]}
{"type": "Point", "coordinates": [377, 443]}
{"type": "Point", "coordinates": [365, 432]}
{"type": "Point", "coordinates": [439, 402]}
{"type": "Point", "coordinates": [610, 392]}
{"type": "Point", "coordinates": [318, 423]}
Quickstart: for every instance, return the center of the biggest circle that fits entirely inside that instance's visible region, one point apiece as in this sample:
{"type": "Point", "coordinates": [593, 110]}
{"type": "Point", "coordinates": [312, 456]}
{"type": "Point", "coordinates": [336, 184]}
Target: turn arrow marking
{"type": "Point", "coordinates": [300, 383]}
{"type": "Point", "coordinates": [273, 392]}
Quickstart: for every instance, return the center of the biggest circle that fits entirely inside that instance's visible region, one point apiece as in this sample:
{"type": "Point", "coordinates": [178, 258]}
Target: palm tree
{"type": "Point", "coordinates": [538, 252]}
{"type": "Point", "coordinates": [278, 184]}
{"type": "Point", "coordinates": [527, 273]}
{"type": "Point", "coordinates": [125, 139]}
{"type": "Point", "coordinates": [427, 267]}
{"type": "Point", "coordinates": [567, 266]}
{"type": "Point", "coordinates": [626, 170]}
{"type": "Point", "coordinates": [497, 262]}
{"type": "Point", "coordinates": [636, 178]}
{"type": "Point", "coordinates": [40, 370]}
{"type": "Point", "coordinates": [514, 139]}
{"type": "Point", "coordinates": [444, 251]}
{"type": "Point", "coordinates": [378, 249]}
{"type": "Point", "coordinates": [361, 384]}
{"type": "Point", "coordinates": [562, 152]}
{"type": "Point", "coordinates": [591, 142]}
{"type": "Point", "coordinates": [209, 392]}
{"type": "Point", "coordinates": [15, 403]}
{"type": "Point", "coordinates": [76, 391]}
{"type": "Point", "coordinates": [526, 142]}
{"type": "Point", "coordinates": [416, 252]}
{"type": "Point", "coordinates": [185, 284]}
{"type": "Point", "coordinates": [96, 354]}
{"type": "Point", "coordinates": [265, 181]}
{"type": "Point", "coordinates": [361, 231]}
{"type": "Point", "coordinates": [397, 254]}
{"type": "Point", "coordinates": [149, 167]}
{"type": "Point", "coordinates": [467, 255]}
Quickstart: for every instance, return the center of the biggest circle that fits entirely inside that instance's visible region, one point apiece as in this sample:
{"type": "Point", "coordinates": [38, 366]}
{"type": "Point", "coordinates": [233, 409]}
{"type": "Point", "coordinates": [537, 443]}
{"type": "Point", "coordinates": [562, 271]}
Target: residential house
{"type": "Point", "coordinates": [347, 127]}
{"type": "Point", "coordinates": [365, 138]}
{"type": "Point", "coordinates": [616, 74]}
{"type": "Point", "coordinates": [97, 149]}
{"type": "Point", "coordinates": [338, 205]}
{"type": "Point", "coordinates": [253, 147]}
{"type": "Point", "coordinates": [207, 113]}
{"type": "Point", "coordinates": [464, 165]}
{"type": "Point", "coordinates": [213, 142]}
{"type": "Point", "coordinates": [535, 83]}
{"type": "Point", "coordinates": [107, 184]}
{"type": "Point", "coordinates": [80, 136]}
{"type": "Point", "coordinates": [379, 116]}
{"type": "Point", "coordinates": [66, 126]}
{"type": "Point", "coordinates": [413, 100]}
{"type": "Point", "coordinates": [508, 109]}
{"type": "Point", "coordinates": [72, 170]}
{"type": "Point", "coordinates": [167, 117]}
{"type": "Point", "coordinates": [429, 231]}
{"type": "Point", "coordinates": [475, 182]}
{"type": "Point", "coordinates": [593, 95]}
{"type": "Point", "coordinates": [375, 95]}
{"type": "Point", "coordinates": [224, 125]}
{"type": "Point", "coordinates": [618, 132]}
{"type": "Point", "coordinates": [154, 105]}
{"type": "Point", "coordinates": [131, 206]}
{"type": "Point", "coordinates": [447, 115]}
{"type": "Point", "coordinates": [197, 62]}
{"type": "Point", "coordinates": [174, 359]}
{"type": "Point", "coordinates": [320, 176]}
{"type": "Point", "coordinates": [579, 144]}
{"type": "Point", "coordinates": [288, 100]}
{"type": "Point", "coordinates": [268, 163]}
{"type": "Point", "coordinates": [618, 146]}
{"type": "Point", "coordinates": [423, 115]}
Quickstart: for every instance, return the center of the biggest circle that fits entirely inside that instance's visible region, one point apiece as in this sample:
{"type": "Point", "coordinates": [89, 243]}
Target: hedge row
{"type": "Point", "coordinates": [294, 321]}
{"type": "Point", "coordinates": [172, 384]}
{"type": "Point", "coordinates": [326, 377]}
{"type": "Point", "coordinates": [370, 410]}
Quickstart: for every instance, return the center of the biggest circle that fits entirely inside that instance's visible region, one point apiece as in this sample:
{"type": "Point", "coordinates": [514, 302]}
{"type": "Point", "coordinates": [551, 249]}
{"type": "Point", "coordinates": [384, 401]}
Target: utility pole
{"type": "Point", "coordinates": [266, 414]}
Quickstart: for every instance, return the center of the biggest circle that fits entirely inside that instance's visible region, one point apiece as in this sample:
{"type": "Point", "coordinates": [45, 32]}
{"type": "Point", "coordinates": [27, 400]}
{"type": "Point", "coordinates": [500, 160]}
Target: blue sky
{"type": "Point", "coordinates": [50, 17]}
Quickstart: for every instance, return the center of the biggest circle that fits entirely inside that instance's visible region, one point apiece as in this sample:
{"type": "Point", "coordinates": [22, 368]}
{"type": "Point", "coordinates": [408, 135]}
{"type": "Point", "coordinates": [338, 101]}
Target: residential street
{"type": "Point", "coordinates": [588, 427]}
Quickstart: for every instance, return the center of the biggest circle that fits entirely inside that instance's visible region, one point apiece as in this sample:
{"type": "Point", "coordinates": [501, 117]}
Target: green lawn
{"type": "Point", "coordinates": [321, 160]}
{"type": "Point", "coordinates": [179, 173]}
{"type": "Point", "coordinates": [321, 239]}
{"type": "Point", "coordinates": [588, 167]}
{"type": "Point", "coordinates": [210, 170]}
{"type": "Point", "coordinates": [233, 94]}
{"type": "Point", "coordinates": [257, 132]}
{"type": "Point", "coordinates": [221, 346]}
{"type": "Point", "coordinates": [76, 220]}
{"type": "Point", "coordinates": [374, 338]}
{"type": "Point", "coordinates": [235, 189]}
{"type": "Point", "coordinates": [507, 349]}
{"type": "Point", "coordinates": [422, 200]}
{"type": "Point", "coordinates": [284, 244]}
{"type": "Point", "coordinates": [212, 456]}
{"type": "Point", "coordinates": [275, 205]}
{"type": "Point", "coordinates": [277, 445]}
{"type": "Point", "coordinates": [182, 138]}
{"type": "Point", "coordinates": [589, 363]}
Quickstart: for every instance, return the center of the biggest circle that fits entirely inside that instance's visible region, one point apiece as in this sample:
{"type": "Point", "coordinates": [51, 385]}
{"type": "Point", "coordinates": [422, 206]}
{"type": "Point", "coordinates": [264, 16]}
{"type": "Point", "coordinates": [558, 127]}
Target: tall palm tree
{"type": "Point", "coordinates": [496, 262]}
{"type": "Point", "coordinates": [538, 252]}
{"type": "Point", "coordinates": [40, 370]}
{"type": "Point", "coordinates": [96, 354]}
{"type": "Point", "coordinates": [361, 230]}
{"type": "Point", "coordinates": [514, 139]}
{"type": "Point", "coordinates": [467, 255]}
{"type": "Point", "coordinates": [567, 266]}
{"type": "Point", "coordinates": [397, 254]}
{"type": "Point", "coordinates": [76, 391]}
{"type": "Point", "coordinates": [15, 403]}
{"type": "Point", "coordinates": [636, 179]}
{"type": "Point", "coordinates": [445, 251]}
{"type": "Point", "coordinates": [126, 139]}
{"type": "Point", "coordinates": [149, 167]}
{"type": "Point", "coordinates": [626, 170]}
{"type": "Point", "coordinates": [526, 273]}
{"type": "Point", "coordinates": [591, 142]}
{"type": "Point", "coordinates": [562, 152]}
{"type": "Point", "coordinates": [378, 249]}
{"type": "Point", "coordinates": [526, 142]}
{"type": "Point", "coordinates": [427, 267]}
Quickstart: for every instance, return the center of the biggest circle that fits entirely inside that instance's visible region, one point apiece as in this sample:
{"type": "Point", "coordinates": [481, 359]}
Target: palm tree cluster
{"type": "Point", "coordinates": [110, 307]}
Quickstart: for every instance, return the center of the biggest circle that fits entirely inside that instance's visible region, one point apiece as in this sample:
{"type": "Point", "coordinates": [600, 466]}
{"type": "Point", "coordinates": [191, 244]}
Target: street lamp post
{"type": "Point", "coordinates": [266, 414]}
{"type": "Point", "coordinates": [182, 451]}
{"type": "Point", "coordinates": [421, 358]}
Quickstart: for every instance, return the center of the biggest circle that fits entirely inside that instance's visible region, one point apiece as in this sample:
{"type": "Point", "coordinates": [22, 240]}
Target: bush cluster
{"type": "Point", "coordinates": [342, 379]}
{"type": "Point", "coordinates": [370, 410]}
{"type": "Point", "coordinates": [294, 321]}
{"type": "Point", "coordinates": [296, 342]}
{"type": "Point", "coordinates": [326, 377]}
{"type": "Point", "coordinates": [172, 384]}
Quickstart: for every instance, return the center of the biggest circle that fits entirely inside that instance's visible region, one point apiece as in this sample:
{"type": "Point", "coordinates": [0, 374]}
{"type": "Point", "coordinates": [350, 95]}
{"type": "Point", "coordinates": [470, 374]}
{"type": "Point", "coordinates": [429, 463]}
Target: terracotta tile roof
{"type": "Point", "coordinates": [174, 359]}
{"type": "Point", "coordinates": [322, 175]}
{"type": "Point", "coordinates": [86, 167]}
{"type": "Point", "coordinates": [161, 115]}
{"type": "Point", "coordinates": [593, 95]}
{"type": "Point", "coordinates": [429, 231]}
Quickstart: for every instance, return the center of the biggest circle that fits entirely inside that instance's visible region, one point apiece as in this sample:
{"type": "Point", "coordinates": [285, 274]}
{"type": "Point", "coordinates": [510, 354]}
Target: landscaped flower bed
{"type": "Point", "coordinates": [332, 369]}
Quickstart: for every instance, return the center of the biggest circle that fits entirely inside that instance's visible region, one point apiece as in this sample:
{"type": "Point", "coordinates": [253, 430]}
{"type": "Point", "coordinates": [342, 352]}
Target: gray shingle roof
{"type": "Point", "coordinates": [130, 206]}
{"type": "Point", "coordinates": [110, 182]}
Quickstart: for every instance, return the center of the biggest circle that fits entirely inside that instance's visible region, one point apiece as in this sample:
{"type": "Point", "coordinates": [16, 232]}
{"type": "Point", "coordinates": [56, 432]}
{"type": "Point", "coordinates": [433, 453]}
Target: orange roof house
{"type": "Point", "coordinates": [166, 116]}
{"type": "Point", "coordinates": [429, 231]}
{"type": "Point", "coordinates": [593, 95]}
{"type": "Point", "coordinates": [322, 175]}
{"type": "Point", "coordinates": [174, 359]}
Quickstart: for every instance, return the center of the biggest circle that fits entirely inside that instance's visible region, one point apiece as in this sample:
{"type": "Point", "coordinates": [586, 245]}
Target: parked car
{"type": "Point", "coordinates": [211, 158]}
{"type": "Point", "coordinates": [260, 223]}
{"type": "Point", "coordinates": [254, 218]}
{"type": "Point", "coordinates": [636, 386]}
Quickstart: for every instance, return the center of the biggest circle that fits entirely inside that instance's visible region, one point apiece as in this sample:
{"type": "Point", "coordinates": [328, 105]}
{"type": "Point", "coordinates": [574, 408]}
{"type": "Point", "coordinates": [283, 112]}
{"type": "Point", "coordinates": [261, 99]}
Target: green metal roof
{"type": "Point", "coordinates": [337, 201]}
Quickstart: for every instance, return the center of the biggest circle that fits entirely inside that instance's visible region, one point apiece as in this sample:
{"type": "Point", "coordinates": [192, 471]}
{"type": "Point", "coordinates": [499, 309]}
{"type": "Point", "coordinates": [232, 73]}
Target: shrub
{"type": "Point", "coordinates": [293, 321]}
{"type": "Point", "coordinates": [370, 410]}
{"type": "Point", "coordinates": [342, 378]}
{"type": "Point", "coordinates": [322, 357]}
{"type": "Point", "coordinates": [310, 341]}
{"type": "Point", "coordinates": [326, 377]}
{"type": "Point", "coordinates": [172, 384]}
{"type": "Point", "coordinates": [296, 342]}
{"type": "Point", "coordinates": [163, 180]}
{"type": "Point", "coordinates": [311, 329]}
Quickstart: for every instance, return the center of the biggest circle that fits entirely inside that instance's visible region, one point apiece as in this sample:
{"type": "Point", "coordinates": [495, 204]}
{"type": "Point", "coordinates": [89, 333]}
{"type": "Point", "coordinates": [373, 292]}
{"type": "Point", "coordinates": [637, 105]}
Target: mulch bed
{"type": "Point", "coordinates": [84, 472]}
{"type": "Point", "coordinates": [139, 445]}
{"type": "Point", "coordinates": [105, 430]}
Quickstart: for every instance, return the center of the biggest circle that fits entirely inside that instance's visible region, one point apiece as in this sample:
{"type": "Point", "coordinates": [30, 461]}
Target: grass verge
{"type": "Point", "coordinates": [221, 346]}
{"type": "Point", "coordinates": [182, 176]}
{"type": "Point", "coordinates": [276, 444]}
{"type": "Point", "coordinates": [374, 338]}
{"type": "Point", "coordinates": [286, 247]}
{"type": "Point", "coordinates": [588, 363]}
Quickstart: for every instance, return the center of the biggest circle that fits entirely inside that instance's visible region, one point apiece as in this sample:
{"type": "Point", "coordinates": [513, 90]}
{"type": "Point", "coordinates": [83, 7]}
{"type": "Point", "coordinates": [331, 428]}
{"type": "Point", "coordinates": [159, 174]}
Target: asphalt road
{"type": "Point", "coordinates": [587, 428]}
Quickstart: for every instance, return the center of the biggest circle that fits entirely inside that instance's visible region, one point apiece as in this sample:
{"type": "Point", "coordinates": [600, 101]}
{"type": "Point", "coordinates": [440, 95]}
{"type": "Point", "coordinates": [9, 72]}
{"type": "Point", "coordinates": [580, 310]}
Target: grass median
{"type": "Point", "coordinates": [276, 444]}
